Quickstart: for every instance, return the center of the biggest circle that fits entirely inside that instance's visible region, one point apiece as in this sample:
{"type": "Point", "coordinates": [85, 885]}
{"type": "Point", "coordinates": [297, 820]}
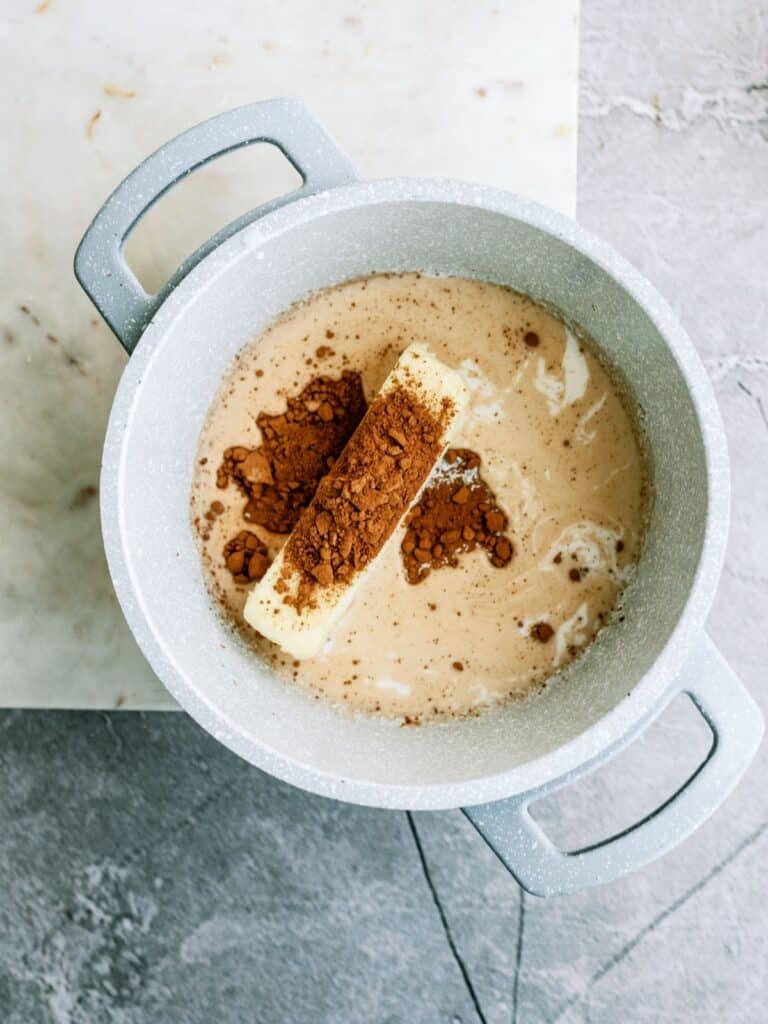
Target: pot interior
{"type": "Point", "coordinates": [181, 359]}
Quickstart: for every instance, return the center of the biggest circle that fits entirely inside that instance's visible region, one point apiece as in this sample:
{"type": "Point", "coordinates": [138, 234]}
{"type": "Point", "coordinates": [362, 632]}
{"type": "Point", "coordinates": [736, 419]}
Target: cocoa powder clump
{"type": "Point", "coordinates": [359, 503]}
{"type": "Point", "coordinates": [456, 513]}
{"type": "Point", "coordinates": [542, 631]}
{"type": "Point", "coordinates": [298, 447]}
{"type": "Point", "coordinates": [245, 556]}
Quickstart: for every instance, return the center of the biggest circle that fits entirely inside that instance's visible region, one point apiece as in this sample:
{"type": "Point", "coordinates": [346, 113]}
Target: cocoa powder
{"type": "Point", "coordinates": [359, 503]}
{"type": "Point", "coordinates": [456, 513]}
{"type": "Point", "coordinates": [245, 556]}
{"type": "Point", "coordinates": [298, 447]}
{"type": "Point", "coordinates": [542, 631]}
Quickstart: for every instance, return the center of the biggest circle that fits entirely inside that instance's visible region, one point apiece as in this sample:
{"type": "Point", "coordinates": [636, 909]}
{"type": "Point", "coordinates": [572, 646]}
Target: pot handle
{"type": "Point", "coordinates": [544, 870]}
{"type": "Point", "coordinates": [100, 266]}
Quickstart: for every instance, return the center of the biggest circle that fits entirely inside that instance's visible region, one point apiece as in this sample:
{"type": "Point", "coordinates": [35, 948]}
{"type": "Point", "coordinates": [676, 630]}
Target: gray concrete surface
{"type": "Point", "coordinates": [151, 876]}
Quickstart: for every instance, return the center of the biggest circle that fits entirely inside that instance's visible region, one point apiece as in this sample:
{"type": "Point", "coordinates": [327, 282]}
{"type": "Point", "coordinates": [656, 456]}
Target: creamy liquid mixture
{"type": "Point", "coordinates": [560, 450]}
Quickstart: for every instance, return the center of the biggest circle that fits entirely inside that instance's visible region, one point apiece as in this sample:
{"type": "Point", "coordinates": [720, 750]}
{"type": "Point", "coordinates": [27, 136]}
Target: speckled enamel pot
{"type": "Point", "coordinates": [182, 341]}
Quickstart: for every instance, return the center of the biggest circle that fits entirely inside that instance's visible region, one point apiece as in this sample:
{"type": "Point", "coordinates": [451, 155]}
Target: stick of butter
{"type": "Point", "coordinates": [358, 505]}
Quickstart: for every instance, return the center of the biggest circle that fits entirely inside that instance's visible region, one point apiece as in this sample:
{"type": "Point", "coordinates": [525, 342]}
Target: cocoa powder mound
{"type": "Point", "coordinates": [456, 513]}
{"type": "Point", "coordinates": [246, 557]}
{"type": "Point", "coordinates": [362, 499]}
{"type": "Point", "coordinates": [542, 631]}
{"type": "Point", "coordinates": [298, 447]}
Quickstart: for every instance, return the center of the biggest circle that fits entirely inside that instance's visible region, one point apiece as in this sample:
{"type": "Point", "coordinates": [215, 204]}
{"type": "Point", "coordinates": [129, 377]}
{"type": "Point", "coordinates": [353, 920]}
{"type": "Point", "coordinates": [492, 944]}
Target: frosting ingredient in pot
{"type": "Point", "coordinates": [298, 448]}
{"type": "Point", "coordinates": [457, 513]}
{"type": "Point", "coordinates": [358, 505]}
{"type": "Point", "coordinates": [549, 452]}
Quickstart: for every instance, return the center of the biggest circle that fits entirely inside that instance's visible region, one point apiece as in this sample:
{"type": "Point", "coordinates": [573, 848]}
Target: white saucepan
{"type": "Point", "coordinates": [182, 341]}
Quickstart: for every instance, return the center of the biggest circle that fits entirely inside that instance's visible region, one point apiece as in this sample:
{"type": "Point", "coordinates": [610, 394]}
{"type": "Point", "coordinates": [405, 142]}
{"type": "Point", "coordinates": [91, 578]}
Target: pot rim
{"type": "Point", "coordinates": [614, 729]}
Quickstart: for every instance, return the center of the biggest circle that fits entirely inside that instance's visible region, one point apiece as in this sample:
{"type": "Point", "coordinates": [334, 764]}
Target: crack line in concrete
{"type": "Point", "coordinates": [518, 957]}
{"type": "Point", "coordinates": [629, 947]}
{"type": "Point", "coordinates": [444, 920]}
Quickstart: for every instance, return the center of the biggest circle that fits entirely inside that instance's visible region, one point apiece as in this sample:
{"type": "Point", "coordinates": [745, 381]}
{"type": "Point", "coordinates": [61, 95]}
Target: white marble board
{"type": "Point", "coordinates": [479, 91]}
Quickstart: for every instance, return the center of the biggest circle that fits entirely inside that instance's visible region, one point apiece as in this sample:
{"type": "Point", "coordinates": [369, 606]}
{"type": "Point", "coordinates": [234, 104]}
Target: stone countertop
{"type": "Point", "coordinates": [472, 95]}
{"type": "Point", "coordinates": [151, 875]}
